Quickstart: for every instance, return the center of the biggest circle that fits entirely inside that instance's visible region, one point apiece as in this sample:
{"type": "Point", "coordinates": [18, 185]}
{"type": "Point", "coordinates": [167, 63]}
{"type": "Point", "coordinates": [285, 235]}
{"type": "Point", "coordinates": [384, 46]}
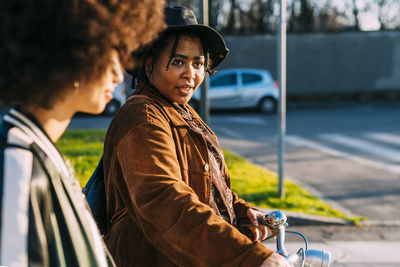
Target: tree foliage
{"type": "Point", "coordinates": [244, 17]}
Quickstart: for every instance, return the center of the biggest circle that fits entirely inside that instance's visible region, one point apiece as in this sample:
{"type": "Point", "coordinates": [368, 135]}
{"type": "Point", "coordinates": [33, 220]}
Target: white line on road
{"type": "Point", "coordinates": [229, 132]}
{"type": "Point", "coordinates": [365, 146]}
{"type": "Point", "coordinates": [248, 120]}
{"type": "Point", "coordinates": [299, 141]}
{"type": "Point", "coordinates": [384, 137]}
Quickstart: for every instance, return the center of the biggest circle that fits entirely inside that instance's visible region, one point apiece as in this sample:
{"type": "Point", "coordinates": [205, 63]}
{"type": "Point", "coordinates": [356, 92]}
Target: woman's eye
{"type": "Point", "coordinates": [177, 62]}
{"type": "Point", "coordinates": [199, 64]}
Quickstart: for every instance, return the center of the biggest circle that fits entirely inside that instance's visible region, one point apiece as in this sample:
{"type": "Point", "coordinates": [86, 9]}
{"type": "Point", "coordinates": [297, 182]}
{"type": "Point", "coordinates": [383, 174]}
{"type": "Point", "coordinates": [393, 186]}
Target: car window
{"type": "Point", "coordinates": [224, 80]}
{"type": "Point", "coordinates": [250, 78]}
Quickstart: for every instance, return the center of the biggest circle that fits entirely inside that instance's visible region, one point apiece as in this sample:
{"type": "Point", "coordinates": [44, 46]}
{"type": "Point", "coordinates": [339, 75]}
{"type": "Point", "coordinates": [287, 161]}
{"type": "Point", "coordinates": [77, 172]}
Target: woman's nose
{"type": "Point", "coordinates": [189, 72]}
{"type": "Point", "coordinates": [118, 72]}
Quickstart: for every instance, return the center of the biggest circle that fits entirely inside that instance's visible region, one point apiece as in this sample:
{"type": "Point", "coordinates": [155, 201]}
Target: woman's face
{"type": "Point", "coordinates": [185, 72]}
{"type": "Point", "coordinates": [92, 96]}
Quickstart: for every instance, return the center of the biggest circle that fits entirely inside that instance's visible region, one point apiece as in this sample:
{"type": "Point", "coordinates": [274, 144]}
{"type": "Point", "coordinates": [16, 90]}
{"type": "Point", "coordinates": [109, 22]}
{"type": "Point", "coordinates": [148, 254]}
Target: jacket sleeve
{"type": "Point", "coordinates": [240, 206]}
{"type": "Point", "coordinates": [169, 212]}
{"type": "Point", "coordinates": [25, 203]}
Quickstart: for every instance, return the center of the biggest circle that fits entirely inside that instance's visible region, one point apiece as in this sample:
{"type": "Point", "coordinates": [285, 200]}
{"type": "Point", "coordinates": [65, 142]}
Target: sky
{"type": "Point", "coordinates": [368, 21]}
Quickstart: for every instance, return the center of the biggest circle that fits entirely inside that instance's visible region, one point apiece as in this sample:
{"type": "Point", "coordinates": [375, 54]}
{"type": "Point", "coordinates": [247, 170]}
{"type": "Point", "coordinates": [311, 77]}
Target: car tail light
{"type": "Point", "coordinates": [276, 84]}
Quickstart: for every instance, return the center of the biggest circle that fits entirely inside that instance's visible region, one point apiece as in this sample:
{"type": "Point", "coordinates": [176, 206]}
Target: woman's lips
{"type": "Point", "coordinates": [185, 89]}
{"type": "Point", "coordinates": [109, 95]}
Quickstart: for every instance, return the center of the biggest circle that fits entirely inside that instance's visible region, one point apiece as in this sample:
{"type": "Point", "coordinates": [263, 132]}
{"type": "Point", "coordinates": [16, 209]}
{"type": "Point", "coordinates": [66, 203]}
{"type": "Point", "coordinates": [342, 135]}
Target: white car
{"type": "Point", "coordinates": [241, 88]}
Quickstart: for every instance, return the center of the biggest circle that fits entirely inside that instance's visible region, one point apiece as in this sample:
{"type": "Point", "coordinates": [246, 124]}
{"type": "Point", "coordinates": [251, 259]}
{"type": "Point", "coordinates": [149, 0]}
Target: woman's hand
{"type": "Point", "coordinates": [257, 230]}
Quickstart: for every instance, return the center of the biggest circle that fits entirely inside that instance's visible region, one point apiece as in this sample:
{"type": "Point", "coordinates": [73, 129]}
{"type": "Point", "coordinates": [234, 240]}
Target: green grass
{"type": "Point", "coordinates": [84, 149]}
{"type": "Point", "coordinates": [259, 186]}
{"type": "Point", "coordinates": [252, 183]}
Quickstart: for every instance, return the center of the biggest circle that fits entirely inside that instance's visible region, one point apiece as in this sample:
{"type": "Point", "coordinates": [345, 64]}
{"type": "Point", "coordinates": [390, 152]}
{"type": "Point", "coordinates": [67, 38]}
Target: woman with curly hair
{"type": "Point", "coordinates": [167, 185]}
{"type": "Point", "coordinates": [57, 58]}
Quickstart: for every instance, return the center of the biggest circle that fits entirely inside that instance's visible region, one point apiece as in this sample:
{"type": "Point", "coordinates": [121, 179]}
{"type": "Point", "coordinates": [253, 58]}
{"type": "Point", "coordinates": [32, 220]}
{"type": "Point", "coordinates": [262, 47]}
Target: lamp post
{"type": "Point", "coordinates": [282, 99]}
{"type": "Point", "coordinates": [204, 108]}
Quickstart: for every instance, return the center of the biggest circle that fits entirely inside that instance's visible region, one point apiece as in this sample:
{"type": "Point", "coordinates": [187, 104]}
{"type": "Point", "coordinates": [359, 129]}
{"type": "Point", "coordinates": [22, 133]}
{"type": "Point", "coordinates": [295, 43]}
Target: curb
{"type": "Point", "coordinates": [392, 223]}
{"type": "Point", "coordinates": [302, 219]}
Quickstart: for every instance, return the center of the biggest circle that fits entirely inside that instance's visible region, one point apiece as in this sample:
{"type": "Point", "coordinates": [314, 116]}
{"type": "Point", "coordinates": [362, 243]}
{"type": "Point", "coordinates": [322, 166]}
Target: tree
{"type": "Point", "coordinates": [193, 5]}
{"type": "Point", "coordinates": [237, 17]}
{"type": "Point", "coordinates": [215, 13]}
{"type": "Point", "coordinates": [330, 19]}
{"type": "Point", "coordinates": [271, 21]}
{"type": "Point", "coordinates": [356, 13]}
{"type": "Point", "coordinates": [306, 16]}
{"type": "Point", "coordinates": [257, 15]}
{"type": "Point", "coordinates": [301, 16]}
{"type": "Point", "coordinates": [229, 29]}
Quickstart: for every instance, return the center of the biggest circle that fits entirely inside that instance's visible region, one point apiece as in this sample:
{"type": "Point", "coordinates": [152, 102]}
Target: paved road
{"type": "Point", "coordinates": [347, 156]}
{"type": "Point", "coordinates": [84, 121]}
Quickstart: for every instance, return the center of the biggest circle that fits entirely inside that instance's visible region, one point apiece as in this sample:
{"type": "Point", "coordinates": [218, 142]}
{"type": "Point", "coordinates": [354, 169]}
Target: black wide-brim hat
{"type": "Point", "coordinates": [180, 18]}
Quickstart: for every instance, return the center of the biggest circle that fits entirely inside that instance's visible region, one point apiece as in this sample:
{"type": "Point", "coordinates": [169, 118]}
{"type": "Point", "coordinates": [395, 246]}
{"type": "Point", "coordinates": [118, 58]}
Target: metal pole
{"type": "Point", "coordinates": [204, 108]}
{"type": "Point", "coordinates": [282, 98]}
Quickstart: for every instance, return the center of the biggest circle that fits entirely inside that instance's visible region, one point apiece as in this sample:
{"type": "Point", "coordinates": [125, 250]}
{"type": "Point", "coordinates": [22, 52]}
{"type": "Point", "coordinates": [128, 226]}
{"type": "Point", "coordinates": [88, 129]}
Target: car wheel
{"type": "Point", "coordinates": [111, 108]}
{"type": "Point", "coordinates": [194, 104]}
{"type": "Point", "coordinates": [267, 105]}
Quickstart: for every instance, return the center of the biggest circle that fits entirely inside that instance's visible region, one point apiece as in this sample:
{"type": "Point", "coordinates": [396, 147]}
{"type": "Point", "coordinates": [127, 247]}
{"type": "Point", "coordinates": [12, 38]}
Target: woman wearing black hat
{"type": "Point", "coordinates": [168, 191]}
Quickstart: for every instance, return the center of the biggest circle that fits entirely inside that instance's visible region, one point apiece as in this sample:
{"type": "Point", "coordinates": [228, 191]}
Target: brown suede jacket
{"type": "Point", "coordinates": [158, 189]}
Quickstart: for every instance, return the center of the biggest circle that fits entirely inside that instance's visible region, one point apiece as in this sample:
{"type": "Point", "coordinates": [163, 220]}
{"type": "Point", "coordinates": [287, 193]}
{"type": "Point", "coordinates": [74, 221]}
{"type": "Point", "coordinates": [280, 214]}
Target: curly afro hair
{"type": "Point", "coordinates": [48, 45]}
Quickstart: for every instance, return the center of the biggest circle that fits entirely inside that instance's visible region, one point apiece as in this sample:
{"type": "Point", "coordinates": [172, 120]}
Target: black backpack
{"type": "Point", "coordinates": [95, 194]}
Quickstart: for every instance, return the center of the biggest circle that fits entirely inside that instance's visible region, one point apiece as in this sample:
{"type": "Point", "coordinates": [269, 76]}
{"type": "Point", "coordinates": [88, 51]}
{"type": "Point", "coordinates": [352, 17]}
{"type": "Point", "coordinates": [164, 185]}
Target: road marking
{"type": "Point", "coordinates": [365, 146]}
{"type": "Point", "coordinates": [384, 137]}
{"type": "Point", "coordinates": [247, 120]}
{"type": "Point", "coordinates": [299, 141]}
{"type": "Point", "coordinates": [229, 132]}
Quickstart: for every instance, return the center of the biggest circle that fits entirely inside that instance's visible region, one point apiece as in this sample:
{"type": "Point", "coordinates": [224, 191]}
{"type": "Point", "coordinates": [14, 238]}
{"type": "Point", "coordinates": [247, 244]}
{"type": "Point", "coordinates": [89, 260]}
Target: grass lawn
{"type": "Point", "coordinates": [252, 183]}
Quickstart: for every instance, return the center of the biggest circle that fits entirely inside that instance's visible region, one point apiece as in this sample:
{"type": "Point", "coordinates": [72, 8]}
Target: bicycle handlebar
{"type": "Point", "coordinates": [276, 222]}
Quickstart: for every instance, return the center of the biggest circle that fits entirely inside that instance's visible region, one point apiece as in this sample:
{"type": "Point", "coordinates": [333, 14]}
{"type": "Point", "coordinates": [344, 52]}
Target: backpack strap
{"type": "Point", "coordinates": [95, 193]}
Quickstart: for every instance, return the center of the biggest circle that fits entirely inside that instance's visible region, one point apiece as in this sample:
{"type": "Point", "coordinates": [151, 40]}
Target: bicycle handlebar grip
{"type": "Point", "coordinates": [246, 221]}
{"type": "Point", "coordinates": [272, 220]}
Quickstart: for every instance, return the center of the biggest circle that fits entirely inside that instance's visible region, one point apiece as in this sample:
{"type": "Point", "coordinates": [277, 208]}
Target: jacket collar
{"type": "Point", "coordinates": [30, 127]}
{"type": "Point", "coordinates": [174, 116]}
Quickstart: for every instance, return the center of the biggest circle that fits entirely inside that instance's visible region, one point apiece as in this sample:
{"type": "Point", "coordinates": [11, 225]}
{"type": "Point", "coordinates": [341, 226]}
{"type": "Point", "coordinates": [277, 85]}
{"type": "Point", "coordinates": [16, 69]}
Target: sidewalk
{"type": "Point", "coordinates": [356, 253]}
{"type": "Point", "coordinates": [350, 246]}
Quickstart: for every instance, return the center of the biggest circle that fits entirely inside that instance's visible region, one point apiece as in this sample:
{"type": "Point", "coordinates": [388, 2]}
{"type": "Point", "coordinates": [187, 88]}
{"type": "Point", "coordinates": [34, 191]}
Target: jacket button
{"type": "Point", "coordinates": [206, 167]}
